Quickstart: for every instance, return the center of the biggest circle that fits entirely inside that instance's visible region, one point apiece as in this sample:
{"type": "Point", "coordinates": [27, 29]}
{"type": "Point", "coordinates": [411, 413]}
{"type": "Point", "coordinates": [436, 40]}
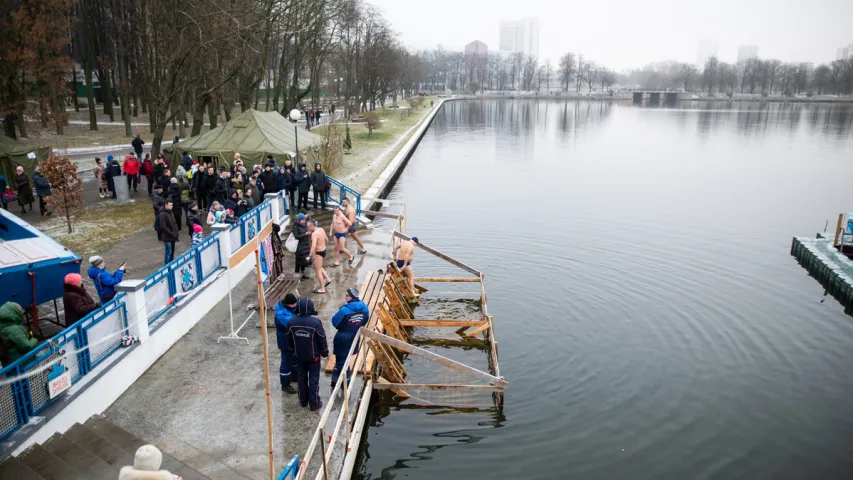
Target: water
{"type": "Point", "coordinates": [651, 321]}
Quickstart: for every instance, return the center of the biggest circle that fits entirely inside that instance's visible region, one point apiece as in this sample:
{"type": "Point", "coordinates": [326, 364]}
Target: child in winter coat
{"type": "Point", "coordinates": [198, 235]}
{"type": "Point", "coordinates": [146, 466]}
{"type": "Point", "coordinates": [8, 197]}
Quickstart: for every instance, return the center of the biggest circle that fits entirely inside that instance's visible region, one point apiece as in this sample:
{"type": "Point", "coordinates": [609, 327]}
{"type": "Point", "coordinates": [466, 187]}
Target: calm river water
{"type": "Point", "coordinates": [652, 324]}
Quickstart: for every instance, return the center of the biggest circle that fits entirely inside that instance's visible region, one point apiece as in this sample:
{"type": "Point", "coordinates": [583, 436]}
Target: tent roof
{"type": "Point", "coordinates": [10, 146]}
{"type": "Point", "coordinates": [251, 134]}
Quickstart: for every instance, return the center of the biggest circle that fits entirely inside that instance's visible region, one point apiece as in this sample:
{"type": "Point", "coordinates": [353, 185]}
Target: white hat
{"type": "Point", "coordinates": [148, 458]}
{"type": "Point", "coordinates": [96, 260]}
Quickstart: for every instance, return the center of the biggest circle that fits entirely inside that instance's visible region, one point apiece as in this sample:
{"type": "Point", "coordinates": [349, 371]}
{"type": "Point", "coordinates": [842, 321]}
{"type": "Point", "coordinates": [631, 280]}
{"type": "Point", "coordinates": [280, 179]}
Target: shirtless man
{"type": "Point", "coordinates": [349, 211]}
{"type": "Point", "coordinates": [318, 249]}
{"type": "Point", "coordinates": [340, 225]}
{"type": "Point", "coordinates": [404, 253]}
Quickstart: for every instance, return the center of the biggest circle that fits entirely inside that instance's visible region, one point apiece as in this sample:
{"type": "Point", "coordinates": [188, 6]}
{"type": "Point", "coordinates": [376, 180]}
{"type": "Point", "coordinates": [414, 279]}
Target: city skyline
{"type": "Point", "coordinates": [519, 36]}
{"type": "Point", "coordinates": [621, 37]}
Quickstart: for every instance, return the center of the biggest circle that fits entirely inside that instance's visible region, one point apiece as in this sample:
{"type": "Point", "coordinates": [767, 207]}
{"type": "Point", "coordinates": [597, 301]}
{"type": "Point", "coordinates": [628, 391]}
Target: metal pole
{"type": "Point", "coordinates": [263, 321]}
{"type": "Point", "coordinates": [296, 133]}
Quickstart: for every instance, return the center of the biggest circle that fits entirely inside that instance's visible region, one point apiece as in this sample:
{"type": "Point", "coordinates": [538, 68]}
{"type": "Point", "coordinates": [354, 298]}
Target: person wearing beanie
{"type": "Point", "coordinates": [104, 281]}
{"type": "Point", "coordinates": [76, 299]}
{"type": "Point", "coordinates": [318, 183]}
{"type": "Point", "coordinates": [158, 199]}
{"type": "Point", "coordinates": [193, 217]}
{"type": "Point", "coordinates": [303, 185]}
{"type": "Point", "coordinates": [284, 311]}
{"type": "Point", "coordinates": [197, 235]}
{"type": "Point", "coordinates": [147, 171]}
{"type": "Point", "coordinates": [113, 173]}
{"type": "Point", "coordinates": [146, 466]}
{"type": "Point", "coordinates": [175, 196]}
{"type": "Point", "coordinates": [23, 189]}
{"type": "Point", "coordinates": [14, 333]}
{"type": "Point", "coordinates": [306, 340]}
{"type": "Point", "coordinates": [349, 319]}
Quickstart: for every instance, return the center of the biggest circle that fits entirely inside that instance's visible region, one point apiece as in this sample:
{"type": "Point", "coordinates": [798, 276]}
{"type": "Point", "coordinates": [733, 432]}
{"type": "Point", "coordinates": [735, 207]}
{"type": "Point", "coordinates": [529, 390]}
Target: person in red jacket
{"type": "Point", "coordinates": [148, 171]}
{"type": "Point", "coordinates": [131, 170]}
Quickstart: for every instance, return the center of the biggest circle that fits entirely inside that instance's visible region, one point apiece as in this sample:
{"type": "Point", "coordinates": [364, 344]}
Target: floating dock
{"type": "Point", "coordinates": [833, 269]}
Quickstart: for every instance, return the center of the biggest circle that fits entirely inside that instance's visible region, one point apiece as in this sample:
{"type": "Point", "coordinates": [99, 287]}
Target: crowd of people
{"type": "Point", "coordinates": [23, 191]}
{"type": "Point", "coordinates": [314, 114]}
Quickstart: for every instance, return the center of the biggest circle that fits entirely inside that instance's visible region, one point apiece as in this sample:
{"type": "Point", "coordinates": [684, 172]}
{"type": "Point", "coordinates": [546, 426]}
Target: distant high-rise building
{"type": "Point", "coordinates": [477, 60]}
{"type": "Point", "coordinates": [844, 53]}
{"type": "Point", "coordinates": [745, 52]}
{"type": "Point", "coordinates": [520, 36]}
{"type": "Point", "coordinates": [707, 48]}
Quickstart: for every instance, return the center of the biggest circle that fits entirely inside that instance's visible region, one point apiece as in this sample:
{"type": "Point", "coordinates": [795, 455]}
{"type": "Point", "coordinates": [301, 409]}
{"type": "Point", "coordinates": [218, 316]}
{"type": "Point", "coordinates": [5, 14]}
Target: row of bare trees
{"type": "Point", "coordinates": [182, 60]}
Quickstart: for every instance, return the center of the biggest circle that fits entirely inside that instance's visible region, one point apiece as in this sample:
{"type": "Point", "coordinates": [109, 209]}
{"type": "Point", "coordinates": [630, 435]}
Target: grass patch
{"type": "Point", "coordinates": [101, 227]}
{"type": "Point", "coordinates": [378, 136]}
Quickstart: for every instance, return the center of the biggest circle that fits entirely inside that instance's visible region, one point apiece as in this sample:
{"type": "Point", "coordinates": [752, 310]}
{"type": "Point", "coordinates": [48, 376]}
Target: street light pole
{"type": "Point", "coordinates": [294, 117]}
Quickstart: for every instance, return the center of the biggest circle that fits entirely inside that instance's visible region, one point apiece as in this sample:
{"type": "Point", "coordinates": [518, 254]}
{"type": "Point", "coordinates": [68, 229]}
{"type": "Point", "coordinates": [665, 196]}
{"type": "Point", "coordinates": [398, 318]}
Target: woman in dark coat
{"type": "Point", "coordinates": [23, 188]}
{"type": "Point", "coordinates": [303, 184]}
{"type": "Point", "coordinates": [303, 249]}
{"type": "Point", "coordinates": [76, 299]}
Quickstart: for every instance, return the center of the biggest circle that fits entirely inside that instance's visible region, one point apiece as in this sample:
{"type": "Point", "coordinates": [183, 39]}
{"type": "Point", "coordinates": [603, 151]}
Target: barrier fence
{"type": "Point", "coordinates": [91, 340]}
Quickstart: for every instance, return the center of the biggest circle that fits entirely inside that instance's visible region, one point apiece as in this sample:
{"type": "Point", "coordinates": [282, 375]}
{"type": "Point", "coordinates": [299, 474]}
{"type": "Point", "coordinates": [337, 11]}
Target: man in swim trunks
{"type": "Point", "coordinates": [340, 225]}
{"type": "Point", "coordinates": [404, 253]}
{"type": "Point", "coordinates": [318, 248]}
{"type": "Point", "coordinates": [349, 211]}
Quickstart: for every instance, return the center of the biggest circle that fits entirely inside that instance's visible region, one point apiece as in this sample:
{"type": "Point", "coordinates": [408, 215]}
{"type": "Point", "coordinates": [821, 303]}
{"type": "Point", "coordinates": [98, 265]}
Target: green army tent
{"type": "Point", "coordinates": [252, 134]}
{"type": "Point", "coordinates": [20, 152]}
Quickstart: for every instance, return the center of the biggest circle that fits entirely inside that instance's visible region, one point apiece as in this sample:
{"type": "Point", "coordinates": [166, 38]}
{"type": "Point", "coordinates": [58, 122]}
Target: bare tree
{"type": "Point", "coordinates": [710, 76]}
{"type": "Point", "coordinates": [566, 70]}
{"type": "Point", "coordinates": [686, 74]}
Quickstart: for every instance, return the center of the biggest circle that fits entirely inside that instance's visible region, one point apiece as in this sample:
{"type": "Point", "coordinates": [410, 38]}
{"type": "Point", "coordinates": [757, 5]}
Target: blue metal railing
{"type": "Point", "coordinates": [291, 470]}
{"type": "Point", "coordinates": [98, 335]}
{"type": "Point", "coordinates": [344, 192]}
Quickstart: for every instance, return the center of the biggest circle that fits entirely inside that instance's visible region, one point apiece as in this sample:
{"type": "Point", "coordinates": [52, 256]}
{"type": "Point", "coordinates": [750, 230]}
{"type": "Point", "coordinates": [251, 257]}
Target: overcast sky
{"type": "Point", "coordinates": [622, 34]}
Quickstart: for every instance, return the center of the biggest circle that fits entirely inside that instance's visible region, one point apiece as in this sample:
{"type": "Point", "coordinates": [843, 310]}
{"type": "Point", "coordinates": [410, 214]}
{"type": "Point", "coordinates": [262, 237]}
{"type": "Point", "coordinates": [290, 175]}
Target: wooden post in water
{"type": "Point", "coordinates": [838, 228]}
{"type": "Point", "coordinates": [262, 312]}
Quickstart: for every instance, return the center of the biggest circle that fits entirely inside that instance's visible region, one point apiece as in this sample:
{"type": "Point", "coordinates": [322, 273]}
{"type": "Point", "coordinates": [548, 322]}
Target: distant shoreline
{"type": "Point", "coordinates": [845, 100]}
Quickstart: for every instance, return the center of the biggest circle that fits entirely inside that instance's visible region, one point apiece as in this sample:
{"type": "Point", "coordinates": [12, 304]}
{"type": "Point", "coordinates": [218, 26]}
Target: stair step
{"type": "Point", "coordinates": [81, 459]}
{"type": "Point", "coordinates": [48, 465]}
{"type": "Point", "coordinates": [11, 468]}
{"type": "Point", "coordinates": [113, 455]}
{"type": "Point", "coordinates": [126, 441]}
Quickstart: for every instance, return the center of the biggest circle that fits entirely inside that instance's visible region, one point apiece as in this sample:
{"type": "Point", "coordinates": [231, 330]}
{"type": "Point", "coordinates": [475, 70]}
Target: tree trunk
{"type": "Point", "coordinates": [182, 117]}
{"type": "Point", "coordinates": [198, 115]}
{"type": "Point", "coordinates": [9, 126]}
{"type": "Point", "coordinates": [22, 125]}
{"type": "Point", "coordinates": [74, 80]}
{"type": "Point", "coordinates": [212, 114]}
{"type": "Point", "coordinates": [88, 63]}
{"type": "Point", "coordinates": [67, 214]}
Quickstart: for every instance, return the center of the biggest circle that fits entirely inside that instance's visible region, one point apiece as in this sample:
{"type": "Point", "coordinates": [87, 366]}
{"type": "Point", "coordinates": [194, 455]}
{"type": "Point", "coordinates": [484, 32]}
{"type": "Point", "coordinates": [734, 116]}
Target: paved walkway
{"type": "Point", "coordinates": [203, 401]}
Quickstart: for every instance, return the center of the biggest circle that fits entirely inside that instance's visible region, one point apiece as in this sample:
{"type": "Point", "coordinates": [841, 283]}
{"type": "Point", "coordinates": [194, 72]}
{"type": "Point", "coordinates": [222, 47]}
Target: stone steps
{"type": "Point", "coordinates": [95, 450]}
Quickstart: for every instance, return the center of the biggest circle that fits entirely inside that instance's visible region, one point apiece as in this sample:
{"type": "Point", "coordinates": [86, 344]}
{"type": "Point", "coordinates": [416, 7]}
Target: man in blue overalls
{"type": "Point", "coordinates": [352, 316]}
{"type": "Point", "coordinates": [306, 340]}
{"type": "Point", "coordinates": [284, 310]}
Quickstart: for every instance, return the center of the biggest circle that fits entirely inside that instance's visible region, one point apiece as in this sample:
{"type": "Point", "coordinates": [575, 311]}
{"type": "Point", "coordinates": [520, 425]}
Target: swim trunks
{"type": "Point", "coordinates": [321, 253]}
{"type": "Point", "coordinates": [401, 264]}
{"type": "Point", "coordinates": [340, 235]}
{"type": "Point", "coordinates": [353, 229]}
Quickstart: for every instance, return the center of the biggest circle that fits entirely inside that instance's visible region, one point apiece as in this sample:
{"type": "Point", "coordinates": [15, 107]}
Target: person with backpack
{"type": "Point", "coordinates": [104, 281]}
{"type": "Point", "coordinates": [15, 339]}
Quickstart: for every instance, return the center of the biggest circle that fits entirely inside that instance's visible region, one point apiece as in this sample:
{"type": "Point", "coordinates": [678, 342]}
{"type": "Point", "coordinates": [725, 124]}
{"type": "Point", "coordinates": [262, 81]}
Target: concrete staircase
{"type": "Point", "coordinates": [95, 450]}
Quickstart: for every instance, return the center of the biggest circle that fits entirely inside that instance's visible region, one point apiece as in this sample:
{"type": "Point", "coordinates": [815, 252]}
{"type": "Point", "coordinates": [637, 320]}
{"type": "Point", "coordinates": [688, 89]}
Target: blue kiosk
{"type": "Point", "coordinates": [32, 265]}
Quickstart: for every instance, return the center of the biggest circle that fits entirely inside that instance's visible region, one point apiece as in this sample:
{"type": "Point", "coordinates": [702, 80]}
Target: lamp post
{"type": "Point", "coordinates": [294, 117]}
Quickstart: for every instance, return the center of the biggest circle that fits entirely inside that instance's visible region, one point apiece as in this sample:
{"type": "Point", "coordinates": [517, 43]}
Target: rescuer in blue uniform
{"type": "Point", "coordinates": [351, 317]}
{"type": "Point", "coordinates": [284, 310]}
{"type": "Point", "coordinates": [306, 340]}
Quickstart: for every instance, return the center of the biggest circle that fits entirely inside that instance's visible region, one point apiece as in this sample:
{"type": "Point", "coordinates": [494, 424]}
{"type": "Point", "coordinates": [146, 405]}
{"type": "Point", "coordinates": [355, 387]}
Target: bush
{"type": "Point", "coordinates": [372, 121]}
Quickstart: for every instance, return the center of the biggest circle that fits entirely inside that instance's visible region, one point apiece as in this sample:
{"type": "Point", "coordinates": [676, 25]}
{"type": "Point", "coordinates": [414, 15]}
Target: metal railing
{"type": "Point", "coordinates": [290, 470]}
{"type": "Point", "coordinates": [91, 340]}
{"type": "Point", "coordinates": [343, 192]}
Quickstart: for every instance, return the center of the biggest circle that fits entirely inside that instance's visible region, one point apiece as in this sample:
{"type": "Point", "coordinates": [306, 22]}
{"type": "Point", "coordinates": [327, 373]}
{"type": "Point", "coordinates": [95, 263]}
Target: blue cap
{"type": "Point", "coordinates": [415, 239]}
{"type": "Point", "coordinates": [109, 157]}
{"type": "Point", "coordinates": [300, 217]}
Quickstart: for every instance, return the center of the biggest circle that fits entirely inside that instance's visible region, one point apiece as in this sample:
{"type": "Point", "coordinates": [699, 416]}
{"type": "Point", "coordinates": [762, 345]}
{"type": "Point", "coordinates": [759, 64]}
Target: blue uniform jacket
{"type": "Point", "coordinates": [348, 320]}
{"type": "Point", "coordinates": [105, 282]}
{"type": "Point", "coordinates": [306, 339]}
{"type": "Point", "coordinates": [283, 314]}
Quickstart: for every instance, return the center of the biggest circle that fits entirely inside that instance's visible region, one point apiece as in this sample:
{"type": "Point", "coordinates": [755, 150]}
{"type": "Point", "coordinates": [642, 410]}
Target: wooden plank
{"type": "Point", "coordinates": [382, 381]}
{"type": "Point", "coordinates": [446, 279]}
{"type": "Point", "coordinates": [441, 255]}
{"type": "Point", "coordinates": [473, 333]}
{"type": "Point", "coordinates": [374, 213]}
{"type": "Point", "coordinates": [411, 322]}
{"type": "Point", "coordinates": [436, 387]}
{"type": "Point", "coordinates": [405, 347]}
{"type": "Point", "coordinates": [838, 227]}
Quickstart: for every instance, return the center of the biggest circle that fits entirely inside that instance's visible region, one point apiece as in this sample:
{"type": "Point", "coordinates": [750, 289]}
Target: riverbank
{"type": "Point", "coordinates": [627, 97]}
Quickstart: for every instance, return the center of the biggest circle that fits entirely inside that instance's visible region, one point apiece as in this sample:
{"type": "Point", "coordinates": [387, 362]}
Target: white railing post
{"type": "Point", "coordinates": [137, 310]}
{"type": "Point", "coordinates": [224, 242]}
{"type": "Point", "coordinates": [276, 212]}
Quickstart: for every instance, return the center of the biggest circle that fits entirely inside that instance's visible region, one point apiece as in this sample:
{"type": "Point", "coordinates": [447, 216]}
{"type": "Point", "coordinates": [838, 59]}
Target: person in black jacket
{"type": "Point", "coordinates": [303, 184]}
{"type": "Point", "coordinates": [193, 217]}
{"type": "Point", "coordinates": [166, 180]}
{"type": "Point", "coordinates": [268, 180]}
{"type": "Point", "coordinates": [318, 183]}
{"type": "Point", "coordinates": [42, 190]}
{"type": "Point", "coordinates": [168, 232]}
{"type": "Point", "coordinates": [206, 188]}
{"type": "Point", "coordinates": [158, 199]}
{"type": "Point", "coordinates": [137, 143]}
{"type": "Point", "coordinates": [290, 172]}
{"type": "Point", "coordinates": [303, 248]}
{"type": "Point", "coordinates": [187, 161]}
{"type": "Point", "coordinates": [113, 172]}
{"type": "Point", "coordinates": [220, 188]}
{"type": "Point", "coordinates": [175, 198]}
{"type": "Point", "coordinates": [306, 340]}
